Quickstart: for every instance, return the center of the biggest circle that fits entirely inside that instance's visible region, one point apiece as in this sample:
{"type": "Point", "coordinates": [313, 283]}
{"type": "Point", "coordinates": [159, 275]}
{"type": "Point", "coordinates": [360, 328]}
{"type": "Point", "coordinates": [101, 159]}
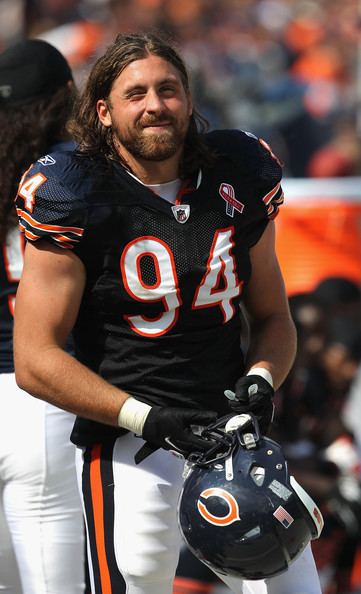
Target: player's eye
{"type": "Point", "coordinates": [168, 90]}
{"type": "Point", "coordinates": [135, 94]}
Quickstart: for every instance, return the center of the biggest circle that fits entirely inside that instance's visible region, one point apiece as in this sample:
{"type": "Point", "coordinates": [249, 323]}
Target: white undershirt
{"type": "Point", "coordinates": [168, 191]}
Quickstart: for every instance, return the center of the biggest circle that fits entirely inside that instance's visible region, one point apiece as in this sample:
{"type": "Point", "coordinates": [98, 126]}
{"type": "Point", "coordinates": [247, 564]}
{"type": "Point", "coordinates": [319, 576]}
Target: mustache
{"type": "Point", "coordinates": [150, 120]}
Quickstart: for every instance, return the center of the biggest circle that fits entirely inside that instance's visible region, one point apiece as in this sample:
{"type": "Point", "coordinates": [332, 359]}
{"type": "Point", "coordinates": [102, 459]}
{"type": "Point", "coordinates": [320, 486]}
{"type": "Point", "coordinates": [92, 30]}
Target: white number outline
{"type": "Point", "coordinates": [221, 264]}
{"type": "Point", "coordinates": [27, 189]}
{"type": "Point", "coordinates": [165, 270]}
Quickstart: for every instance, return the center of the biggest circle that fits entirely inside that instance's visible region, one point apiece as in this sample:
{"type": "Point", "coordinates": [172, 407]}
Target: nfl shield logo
{"type": "Point", "coordinates": [181, 212]}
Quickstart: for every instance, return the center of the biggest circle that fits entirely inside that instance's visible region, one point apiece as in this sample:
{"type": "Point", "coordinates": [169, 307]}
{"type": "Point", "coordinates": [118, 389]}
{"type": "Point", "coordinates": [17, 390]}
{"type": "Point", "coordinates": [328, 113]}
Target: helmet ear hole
{"type": "Point", "coordinates": [258, 474]}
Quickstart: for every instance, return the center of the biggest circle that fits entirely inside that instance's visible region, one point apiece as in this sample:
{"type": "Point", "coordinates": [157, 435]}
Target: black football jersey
{"type": "Point", "coordinates": [11, 264]}
{"type": "Point", "coordinates": [160, 314]}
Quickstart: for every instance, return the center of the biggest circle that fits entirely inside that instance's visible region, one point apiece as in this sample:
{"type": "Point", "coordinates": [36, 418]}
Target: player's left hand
{"type": "Point", "coordinates": [253, 394]}
{"type": "Point", "coordinates": [176, 429]}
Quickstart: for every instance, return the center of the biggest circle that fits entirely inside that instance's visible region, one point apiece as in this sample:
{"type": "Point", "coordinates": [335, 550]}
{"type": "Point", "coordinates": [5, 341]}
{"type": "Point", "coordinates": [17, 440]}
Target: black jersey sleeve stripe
{"type": "Point", "coordinates": [60, 241]}
{"type": "Point", "coordinates": [98, 491]}
{"type": "Point", "coordinates": [43, 227]}
{"type": "Point", "coordinates": [275, 194]}
{"type": "Point", "coordinates": [273, 200]}
{"type": "Point", "coordinates": [94, 507]}
{"type": "Point", "coordinates": [62, 235]}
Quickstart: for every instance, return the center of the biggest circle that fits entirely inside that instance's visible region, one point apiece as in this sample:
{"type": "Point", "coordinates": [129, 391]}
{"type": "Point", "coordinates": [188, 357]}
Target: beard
{"type": "Point", "coordinates": [152, 146]}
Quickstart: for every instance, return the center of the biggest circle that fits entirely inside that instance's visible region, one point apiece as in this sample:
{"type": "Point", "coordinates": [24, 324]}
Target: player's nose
{"type": "Point", "coordinates": [153, 102]}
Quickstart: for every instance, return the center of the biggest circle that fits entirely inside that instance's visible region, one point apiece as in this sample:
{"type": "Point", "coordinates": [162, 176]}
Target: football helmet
{"type": "Point", "coordinates": [240, 512]}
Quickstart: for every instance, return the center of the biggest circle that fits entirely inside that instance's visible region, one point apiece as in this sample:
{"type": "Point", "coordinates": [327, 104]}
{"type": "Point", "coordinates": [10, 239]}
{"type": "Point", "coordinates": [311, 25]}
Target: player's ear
{"type": "Point", "coordinates": [104, 113]}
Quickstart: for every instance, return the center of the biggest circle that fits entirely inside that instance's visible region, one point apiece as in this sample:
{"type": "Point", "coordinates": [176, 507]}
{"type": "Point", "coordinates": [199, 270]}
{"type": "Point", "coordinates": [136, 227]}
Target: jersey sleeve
{"type": "Point", "coordinates": [48, 208]}
{"type": "Point", "coordinates": [258, 167]}
{"type": "Point", "coordinates": [269, 172]}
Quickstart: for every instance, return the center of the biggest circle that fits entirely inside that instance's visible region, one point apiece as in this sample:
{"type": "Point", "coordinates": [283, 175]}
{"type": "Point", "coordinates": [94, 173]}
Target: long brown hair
{"type": "Point", "coordinates": [27, 132]}
{"type": "Point", "coordinates": [95, 139]}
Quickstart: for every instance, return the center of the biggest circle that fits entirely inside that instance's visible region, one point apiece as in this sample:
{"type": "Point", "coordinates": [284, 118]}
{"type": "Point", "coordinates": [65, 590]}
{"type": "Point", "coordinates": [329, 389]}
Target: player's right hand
{"type": "Point", "coordinates": [174, 429]}
{"type": "Point", "coordinates": [253, 394]}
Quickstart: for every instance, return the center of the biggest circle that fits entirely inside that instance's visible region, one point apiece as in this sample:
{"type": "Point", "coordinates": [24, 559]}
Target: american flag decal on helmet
{"type": "Point", "coordinates": [227, 193]}
{"type": "Point", "coordinates": [283, 516]}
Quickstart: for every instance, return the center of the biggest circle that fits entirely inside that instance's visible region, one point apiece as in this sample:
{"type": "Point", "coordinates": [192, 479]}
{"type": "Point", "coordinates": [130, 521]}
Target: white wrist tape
{"type": "Point", "coordinates": [263, 373]}
{"type": "Point", "coordinates": [133, 414]}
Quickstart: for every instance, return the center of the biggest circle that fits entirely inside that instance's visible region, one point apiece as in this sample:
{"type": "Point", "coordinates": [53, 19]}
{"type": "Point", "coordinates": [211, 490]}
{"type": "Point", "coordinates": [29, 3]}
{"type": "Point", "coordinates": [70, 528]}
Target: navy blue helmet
{"type": "Point", "coordinates": [240, 512]}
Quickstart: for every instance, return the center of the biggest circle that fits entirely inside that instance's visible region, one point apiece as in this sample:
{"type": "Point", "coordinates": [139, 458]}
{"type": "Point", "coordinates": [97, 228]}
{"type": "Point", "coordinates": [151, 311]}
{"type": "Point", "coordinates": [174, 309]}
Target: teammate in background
{"type": "Point", "coordinates": [144, 241]}
{"type": "Point", "coordinates": [41, 539]}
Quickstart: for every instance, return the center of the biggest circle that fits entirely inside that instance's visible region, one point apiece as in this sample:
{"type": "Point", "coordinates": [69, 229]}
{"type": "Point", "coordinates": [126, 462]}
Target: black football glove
{"type": "Point", "coordinates": [253, 394]}
{"type": "Point", "coordinates": [171, 429]}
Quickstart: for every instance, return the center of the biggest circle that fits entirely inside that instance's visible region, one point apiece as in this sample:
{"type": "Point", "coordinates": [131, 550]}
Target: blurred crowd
{"type": "Point", "coordinates": [287, 70]}
{"type": "Point", "coordinates": [318, 422]}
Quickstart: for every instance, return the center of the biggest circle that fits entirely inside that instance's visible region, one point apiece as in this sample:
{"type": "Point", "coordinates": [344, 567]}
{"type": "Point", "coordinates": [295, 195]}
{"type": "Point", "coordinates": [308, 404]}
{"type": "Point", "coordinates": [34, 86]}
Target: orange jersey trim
{"type": "Point", "coordinates": [51, 228]}
{"type": "Point", "coordinates": [270, 195]}
{"type": "Point", "coordinates": [98, 505]}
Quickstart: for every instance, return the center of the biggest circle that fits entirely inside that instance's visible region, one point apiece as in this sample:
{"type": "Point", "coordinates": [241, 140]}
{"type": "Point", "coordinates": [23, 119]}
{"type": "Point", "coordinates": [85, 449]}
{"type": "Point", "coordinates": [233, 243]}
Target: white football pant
{"type": "Point", "coordinates": [41, 523]}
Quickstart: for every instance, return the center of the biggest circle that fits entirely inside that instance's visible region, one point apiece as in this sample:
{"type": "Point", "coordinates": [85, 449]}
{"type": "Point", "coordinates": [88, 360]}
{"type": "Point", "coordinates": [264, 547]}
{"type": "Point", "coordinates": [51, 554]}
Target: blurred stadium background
{"type": "Point", "coordinates": [290, 72]}
{"type": "Point", "coordinates": [287, 70]}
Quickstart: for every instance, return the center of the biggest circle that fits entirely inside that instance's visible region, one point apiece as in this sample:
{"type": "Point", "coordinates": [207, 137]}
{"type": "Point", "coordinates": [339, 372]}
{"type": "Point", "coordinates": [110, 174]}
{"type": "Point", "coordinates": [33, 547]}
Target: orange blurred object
{"type": "Point", "coordinates": [180, 13]}
{"type": "Point", "coordinates": [319, 232]}
{"type": "Point", "coordinates": [330, 162]}
{"type": "Point", "coordinates": [303, 32]}
{"type": "Point", "coordinates": [320, 62]}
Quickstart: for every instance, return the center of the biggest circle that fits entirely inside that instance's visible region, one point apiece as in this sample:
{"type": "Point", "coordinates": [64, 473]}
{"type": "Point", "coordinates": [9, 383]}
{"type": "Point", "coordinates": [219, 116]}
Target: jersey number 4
{"type": "Point", "coordinates": [218, 287]}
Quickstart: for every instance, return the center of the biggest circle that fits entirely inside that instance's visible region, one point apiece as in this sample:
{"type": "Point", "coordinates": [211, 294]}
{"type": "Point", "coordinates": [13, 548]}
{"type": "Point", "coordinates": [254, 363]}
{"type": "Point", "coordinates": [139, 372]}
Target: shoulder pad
{"type": "Point", "coordinates": [255, 160]}
{"type": "Point", "coordinates": [50, 201]}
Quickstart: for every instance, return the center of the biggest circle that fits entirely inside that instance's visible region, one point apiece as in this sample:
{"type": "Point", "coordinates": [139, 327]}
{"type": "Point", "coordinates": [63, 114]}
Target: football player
{"type": "Point", "coordinates": [41, 539]}
{"type": "Point", "coordinates": [144, 242]}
